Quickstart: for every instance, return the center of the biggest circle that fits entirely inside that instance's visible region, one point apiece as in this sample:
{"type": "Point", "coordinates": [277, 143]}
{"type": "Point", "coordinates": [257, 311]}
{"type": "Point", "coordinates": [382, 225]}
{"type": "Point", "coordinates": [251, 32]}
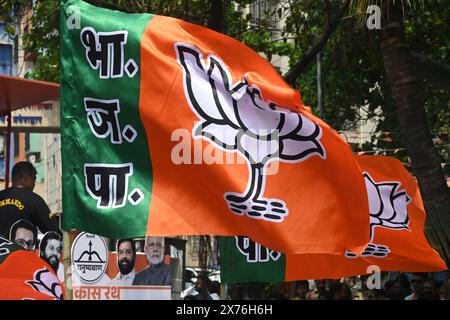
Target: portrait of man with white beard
{"type": "Point", "coordinates": [157, 273]}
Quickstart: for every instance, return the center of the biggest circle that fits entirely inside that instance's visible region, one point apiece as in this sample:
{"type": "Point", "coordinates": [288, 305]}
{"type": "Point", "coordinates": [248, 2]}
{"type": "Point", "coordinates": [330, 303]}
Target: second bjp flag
{"type": "Point", "coordinates": [398, 243]}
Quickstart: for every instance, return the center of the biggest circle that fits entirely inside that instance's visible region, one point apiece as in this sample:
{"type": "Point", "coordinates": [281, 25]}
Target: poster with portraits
{"type": "Point", "coordinates": [123, 269]}
{"type": "Point", "coordinates": [50, 250]}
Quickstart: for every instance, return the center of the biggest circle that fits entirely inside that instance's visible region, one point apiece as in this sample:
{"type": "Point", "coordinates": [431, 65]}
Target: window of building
{"type": "Point", "coordinates": [6, 59]}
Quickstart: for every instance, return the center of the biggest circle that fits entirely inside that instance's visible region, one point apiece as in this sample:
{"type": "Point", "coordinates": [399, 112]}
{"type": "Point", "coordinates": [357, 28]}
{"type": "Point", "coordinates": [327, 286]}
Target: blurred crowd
{"type": "Point", "coordinates": [393, 286]}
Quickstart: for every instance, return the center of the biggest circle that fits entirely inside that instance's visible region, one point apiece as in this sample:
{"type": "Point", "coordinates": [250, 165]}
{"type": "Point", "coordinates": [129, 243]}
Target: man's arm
{"type": "Point", "coordinates": [45, 219]}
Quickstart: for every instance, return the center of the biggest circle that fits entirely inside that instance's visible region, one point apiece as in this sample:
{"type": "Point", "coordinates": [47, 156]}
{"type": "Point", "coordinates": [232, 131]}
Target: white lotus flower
{"type": "Point", "coordinates": [235, 117]}
{"type": "Point", "coordinates": [388, 209]}
{"type": "Point", "coordinates": [47, 283]}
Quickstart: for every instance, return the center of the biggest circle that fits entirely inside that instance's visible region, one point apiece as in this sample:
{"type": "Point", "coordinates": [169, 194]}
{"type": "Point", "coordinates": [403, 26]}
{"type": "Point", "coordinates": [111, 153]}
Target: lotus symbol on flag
{"type": "Point", "coordinates": [47, 283]}
{"type": "Point", "coordinates": [388, 209]}
{"type": "Point", "coordinates": [236, 118]}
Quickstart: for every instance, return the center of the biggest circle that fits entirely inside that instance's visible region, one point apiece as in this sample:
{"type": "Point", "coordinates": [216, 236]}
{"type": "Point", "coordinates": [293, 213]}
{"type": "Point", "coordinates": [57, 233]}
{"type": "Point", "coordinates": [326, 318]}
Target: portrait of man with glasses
{"type": "Point", "coordinates": [24, 233]}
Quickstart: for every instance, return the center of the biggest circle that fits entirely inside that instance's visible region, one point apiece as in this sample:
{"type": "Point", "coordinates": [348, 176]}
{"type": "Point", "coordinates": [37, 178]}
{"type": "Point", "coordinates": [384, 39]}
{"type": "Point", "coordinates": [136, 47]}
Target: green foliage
{"type": "Point", "coordinates": [352, 68]}
{"type": "Point", "coordinates": [43, 40]}
{"type": "Point", "coordinates": [428, 34]}
{"type": "Point", "coordinates": [261, 41]}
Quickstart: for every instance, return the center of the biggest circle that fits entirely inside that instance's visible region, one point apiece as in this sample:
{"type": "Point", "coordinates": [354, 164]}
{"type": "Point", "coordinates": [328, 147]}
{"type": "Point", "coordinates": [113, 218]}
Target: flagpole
{"type": "Point", "coordinates": [8, 149]}
{"type": "Point", "coordinates": [67, 262]}
{"type": "Point", "coordinates": [319, 86]}
{"type": "Point", "coordinates": [222, 292]}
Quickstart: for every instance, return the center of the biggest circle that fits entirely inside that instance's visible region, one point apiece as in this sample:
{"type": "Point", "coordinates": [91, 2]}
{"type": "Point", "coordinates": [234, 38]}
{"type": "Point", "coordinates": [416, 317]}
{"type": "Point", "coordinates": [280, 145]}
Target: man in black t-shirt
{"type": "Point", "coordinates": [20, 202]}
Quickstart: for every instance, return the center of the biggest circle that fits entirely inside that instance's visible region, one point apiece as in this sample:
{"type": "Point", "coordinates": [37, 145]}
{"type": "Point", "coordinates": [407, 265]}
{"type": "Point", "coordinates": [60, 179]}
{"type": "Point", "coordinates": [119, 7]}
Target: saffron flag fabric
{"type": "Point", "coordinates": [169, 128]}
{"type": "Point", "coordinates": [398, 243]}
{"type": "Point", "coordinates": [24, 276]}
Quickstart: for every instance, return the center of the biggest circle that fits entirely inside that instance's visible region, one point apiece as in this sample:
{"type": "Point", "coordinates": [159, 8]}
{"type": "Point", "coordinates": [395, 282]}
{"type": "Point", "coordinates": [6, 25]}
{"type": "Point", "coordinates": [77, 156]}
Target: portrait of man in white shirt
{"type": "Point", "coordinates": [126, 258]}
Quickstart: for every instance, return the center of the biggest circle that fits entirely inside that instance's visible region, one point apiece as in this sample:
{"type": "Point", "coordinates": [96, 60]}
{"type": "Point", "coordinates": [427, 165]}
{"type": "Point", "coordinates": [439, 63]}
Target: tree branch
{"type": "Point", "coordinates": [327, 6]}
{"type": "Point", "coordinates": [300, 66]}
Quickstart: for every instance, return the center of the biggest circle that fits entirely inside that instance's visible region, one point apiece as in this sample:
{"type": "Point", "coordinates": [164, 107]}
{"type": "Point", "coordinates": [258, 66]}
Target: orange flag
{"type": "Point", "coordinates": [24, 276]}
{"type": "Point", "coordinates": [234, 151]}
{"type": "Point", "coordinates": [190, 132]}
{"type": "Point", "coordinates": [397, 219]}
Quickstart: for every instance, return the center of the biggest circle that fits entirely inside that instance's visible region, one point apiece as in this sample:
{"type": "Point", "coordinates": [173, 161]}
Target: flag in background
{"type": "Point", "coordinates": [397, 242]}
{"type": "Point", "coordinates": [23, 275]}
{"type": "Point", "coordinates": [153, 108]}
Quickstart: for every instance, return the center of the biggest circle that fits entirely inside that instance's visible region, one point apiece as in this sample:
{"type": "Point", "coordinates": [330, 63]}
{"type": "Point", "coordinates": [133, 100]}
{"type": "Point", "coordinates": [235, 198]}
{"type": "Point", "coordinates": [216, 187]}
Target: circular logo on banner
{"type": "Point", "coordinates": [89, 257]}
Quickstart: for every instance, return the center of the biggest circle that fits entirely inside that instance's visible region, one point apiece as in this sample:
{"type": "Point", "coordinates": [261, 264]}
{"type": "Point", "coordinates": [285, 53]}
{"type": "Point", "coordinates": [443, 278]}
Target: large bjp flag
{"type": "Point", "coordinates": [169, 128]}
{"type": "Point", "coordinates": [25, 276]}
{"type": "Point", "coordinates": [398, 243]}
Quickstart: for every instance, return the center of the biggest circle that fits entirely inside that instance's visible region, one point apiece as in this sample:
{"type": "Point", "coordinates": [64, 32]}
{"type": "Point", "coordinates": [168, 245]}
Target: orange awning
{"type": "Point", "coordinates": [17, 93]}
